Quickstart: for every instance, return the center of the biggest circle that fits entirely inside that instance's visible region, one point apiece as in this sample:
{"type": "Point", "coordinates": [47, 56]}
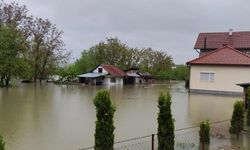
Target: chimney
{"type": "Point", "coordinates": [231, 31]}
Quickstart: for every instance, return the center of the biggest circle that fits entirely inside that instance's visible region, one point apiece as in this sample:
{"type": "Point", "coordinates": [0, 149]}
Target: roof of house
{"type": "Point", "coordinates": [113, 70]}
{"type": "Point", "coordinates": [222, 56]}
{"type": "Point", "coordinates": [215, 40]}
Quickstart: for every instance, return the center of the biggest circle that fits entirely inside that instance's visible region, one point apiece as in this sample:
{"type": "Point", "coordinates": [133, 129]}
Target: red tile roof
{"type": "Point", "coordinates": [222, 56]}
{"type": "Point", "coordinates": [112, 70]}
{"type": "Point", "coordinates": [215, 40]}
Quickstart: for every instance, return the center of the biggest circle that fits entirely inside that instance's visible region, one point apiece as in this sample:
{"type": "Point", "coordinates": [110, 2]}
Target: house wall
{"type": "Point", "coordinates": [137, 80]}
{"type": "Point", "coordinates": [225, 78]}
{"type": "Point", "coordinates": [118, 80]}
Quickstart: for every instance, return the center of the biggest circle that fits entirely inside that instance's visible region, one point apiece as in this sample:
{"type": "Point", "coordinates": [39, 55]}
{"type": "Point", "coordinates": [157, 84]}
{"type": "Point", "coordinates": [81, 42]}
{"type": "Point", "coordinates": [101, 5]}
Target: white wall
{"type": "Point", "coordinates": [103, 70]}
{"type": "Point", "coordinates": [225, 78]}
{"type": "Point", "coordinates": [107, 81]}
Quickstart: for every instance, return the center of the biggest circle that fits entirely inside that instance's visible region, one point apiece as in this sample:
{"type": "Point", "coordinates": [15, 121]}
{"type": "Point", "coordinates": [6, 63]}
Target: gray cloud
{"type": "Point", "coordinates": [169, 25]}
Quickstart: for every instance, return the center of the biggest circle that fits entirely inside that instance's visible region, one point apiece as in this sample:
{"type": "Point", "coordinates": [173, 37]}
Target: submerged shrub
{"type": "Point", "coordinates": [165, 123]}
{"type": "Point", "coordinates": [104, 131]}
{"type": "Point", "coordinates": [2, 144]}
{"type": "Point", "coordinates": [248, 106]}
{"type": "Point", "coordinates": [205, 132]}
{"type": "Point", "coordinates": [237, 118]}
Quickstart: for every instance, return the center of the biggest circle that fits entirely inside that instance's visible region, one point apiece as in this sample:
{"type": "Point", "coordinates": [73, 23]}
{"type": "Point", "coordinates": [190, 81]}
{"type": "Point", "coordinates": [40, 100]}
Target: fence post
{"type": "Point", "coordinates": [203, 139]}
{"type": "Point", "coordinates": [152, 142]}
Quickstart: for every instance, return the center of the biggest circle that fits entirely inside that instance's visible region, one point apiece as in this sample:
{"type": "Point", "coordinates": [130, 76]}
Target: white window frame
{"type": "Point", "coordinates": [209, 78]}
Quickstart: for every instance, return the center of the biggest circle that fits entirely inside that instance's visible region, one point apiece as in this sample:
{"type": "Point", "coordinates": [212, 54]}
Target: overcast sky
{"type": "Point", "coordinates": [168, 25]}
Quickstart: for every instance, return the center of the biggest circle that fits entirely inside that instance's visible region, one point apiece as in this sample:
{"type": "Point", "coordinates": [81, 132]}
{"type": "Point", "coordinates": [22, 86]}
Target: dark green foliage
{"type": "Point", "coordinates": [237, 118]}
{"type": "Point", "coordinates": [113, 51]}
{"type": "Point", "coordinates": [204, 132]}
{"type": "Point", "coordinates": [104, 132]}
{"type": "Point", "coordinates": [248, 106]}
{"type": "Point", "coordinates": [165, 123]}
{"type": "Point", "coordinates": [11, 50]}
{"type": "Point", "coordinates": [30, 47]}
{"type": "Point", "coordinates": [2, 144]}
{"type": "Point", "coordinates": [179, 72]}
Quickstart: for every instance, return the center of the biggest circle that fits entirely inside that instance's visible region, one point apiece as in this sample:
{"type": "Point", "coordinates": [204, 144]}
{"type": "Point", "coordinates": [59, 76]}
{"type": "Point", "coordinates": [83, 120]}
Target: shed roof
{"type": "Point", "coordinates": [214, 40]}
{"type": "Point", "coordinates": [133, 75]}
{"type": "Point", "coordinates": [222, 56]}
{"type": "Point", "coordinates": [113, 70]}
{"type": "Point", "coordinates": [91, 75]}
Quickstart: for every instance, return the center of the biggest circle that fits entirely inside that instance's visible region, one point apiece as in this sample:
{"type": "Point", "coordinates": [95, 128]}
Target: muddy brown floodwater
{"type": "Point", "coordinates": [51, 117]}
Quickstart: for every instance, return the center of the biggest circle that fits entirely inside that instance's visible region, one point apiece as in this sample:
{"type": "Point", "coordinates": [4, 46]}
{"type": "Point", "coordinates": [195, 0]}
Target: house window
{"type": "Point", "coordinates": [207, 76]}
{"type": "Point", "coordinates": [112, 80]}
{"type": "Point", "coordinates": [99, 70]}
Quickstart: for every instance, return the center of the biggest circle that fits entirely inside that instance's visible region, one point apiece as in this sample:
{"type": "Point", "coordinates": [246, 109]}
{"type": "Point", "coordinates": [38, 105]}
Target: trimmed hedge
{"type": "Point", "coordinates": [237, 120]}
{"type": "Point", "coordinates": [104, 131]}
{"type": "Point", "coordinates": [165, 123]}
{"type": "Point", "coordinates": [205, 132]}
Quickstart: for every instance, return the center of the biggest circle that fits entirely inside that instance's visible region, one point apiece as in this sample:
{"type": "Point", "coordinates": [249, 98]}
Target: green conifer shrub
{"type": "Point", "coordinates": [205, 132]}
{"type": "Point", "coordinates": [165, 123]}
{"type": "Point", "coordinates": [104, 131]}
{"type": "Point", "coordinates": [248, 106]}
{"type": "Point", "coordinates": [2, 144]}
{"type": "Point", "coordinates": [237, 120]}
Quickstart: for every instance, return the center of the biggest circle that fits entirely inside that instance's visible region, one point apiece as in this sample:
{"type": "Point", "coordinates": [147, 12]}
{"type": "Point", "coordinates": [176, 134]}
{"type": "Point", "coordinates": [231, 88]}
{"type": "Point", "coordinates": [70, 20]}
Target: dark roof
{"type": "Point", "coordinates": [144, 74]}
{"type": "Point", "coordinates": [222, 56]}
{"type": "Point", "coordinates": [215, 40]}
{"type": "Point", "coordinates": [113, 70]}
{"type": "Point", "coordinates": [244, 85]}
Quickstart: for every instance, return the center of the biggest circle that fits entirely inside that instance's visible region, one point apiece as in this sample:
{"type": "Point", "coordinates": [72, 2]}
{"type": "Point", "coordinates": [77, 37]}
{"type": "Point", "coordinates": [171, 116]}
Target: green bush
{"type": "Point", "coordinates": [204, 132]}
{"type": "Point", "coordinates": [248, 106]}
{"type": "Point", "coordinates": [165, 123]}
{"type": "Point", "coordinates": [104, 131]}
{"type": "Point", "coordinates": [2, 144]}
{"type": "Point", "coordinates": [237, 120]}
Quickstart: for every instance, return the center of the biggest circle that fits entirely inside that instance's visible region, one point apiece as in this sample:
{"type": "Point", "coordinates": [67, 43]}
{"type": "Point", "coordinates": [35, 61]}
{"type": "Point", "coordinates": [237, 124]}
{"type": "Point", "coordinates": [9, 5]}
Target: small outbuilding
{"type": "Point", "coordinates": [134, 76]}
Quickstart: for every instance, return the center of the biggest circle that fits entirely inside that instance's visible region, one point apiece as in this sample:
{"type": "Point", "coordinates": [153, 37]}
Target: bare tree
{"type": "Point", "coordinates": [47, 47]}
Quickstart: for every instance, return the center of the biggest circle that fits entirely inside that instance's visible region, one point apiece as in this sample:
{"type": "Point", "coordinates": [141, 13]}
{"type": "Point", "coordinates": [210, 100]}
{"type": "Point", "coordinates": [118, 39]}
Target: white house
{"type": "Point", "coordinates": [220, 71]}
{"type": "Point", "coordinates": [103, 74]}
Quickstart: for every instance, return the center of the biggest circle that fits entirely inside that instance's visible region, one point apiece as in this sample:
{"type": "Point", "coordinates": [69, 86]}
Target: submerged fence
{"type": "Point", "coordinates": [185, 138]}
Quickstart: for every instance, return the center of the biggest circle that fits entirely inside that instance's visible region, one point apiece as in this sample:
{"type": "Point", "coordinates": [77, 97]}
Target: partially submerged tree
{"type": "Point", "coordinates": [2, 144]}
{"type": "Point", "coordinates": [165, 123]}
{"type": "Point", "coordinates": [237, 120]}
{"type": "Point", "coordinates": [204, 132]}
{"type": "Point", "coordinates": [248, 106]}
{"type": "Point", "coordinates": [12, 62]}
{"type": "Point", "coordinates": [42, 46]}
{"type": "Point", "coordinates": [46, 48]}
{"type": "Point", "coordinates": [104, 131]}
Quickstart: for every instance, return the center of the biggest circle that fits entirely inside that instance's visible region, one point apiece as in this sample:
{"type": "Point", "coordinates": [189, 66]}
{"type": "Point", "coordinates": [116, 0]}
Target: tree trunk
{"type": "Point", "coordinates": [36, 60]}
{"type": "Point", "coordinates": [44, 65]}
{"type": "Point", "coordinates": [7, 80]}
{"type": "Point", "coordinates": [1, 81]}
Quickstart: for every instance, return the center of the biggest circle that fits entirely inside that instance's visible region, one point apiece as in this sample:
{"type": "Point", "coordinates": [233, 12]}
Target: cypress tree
{"type": "Point", "coordinates": [204, 132]}
{"type": "Point", "coordinates": [248, 106]}
{"type": "Point", "coordinates": [237, 118]}
{"type": "Point", "coordinates": [2, 144]}
{"type": "Point", "coordinates": [165, 123]}
{"type": "Point", "coordinates": [104, 131]}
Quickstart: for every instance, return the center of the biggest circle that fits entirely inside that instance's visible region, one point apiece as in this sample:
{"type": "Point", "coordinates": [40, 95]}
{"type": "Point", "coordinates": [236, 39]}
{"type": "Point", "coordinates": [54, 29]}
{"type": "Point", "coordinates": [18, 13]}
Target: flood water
{"type": "Point", "coordinates": [51, 117]}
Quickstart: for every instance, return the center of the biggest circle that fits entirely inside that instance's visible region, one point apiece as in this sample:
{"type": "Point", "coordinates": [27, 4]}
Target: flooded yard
{"type": "Point", "coordinates": [62, 117]}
